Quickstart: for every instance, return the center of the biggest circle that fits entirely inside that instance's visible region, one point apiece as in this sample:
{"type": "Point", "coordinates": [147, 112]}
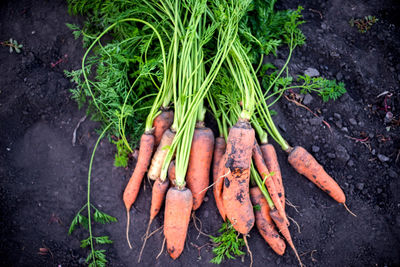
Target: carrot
{"type": "Point", "coordinates": [265, 223]}
{"type": "Point", "coordinates": [263, 170]}
{"type": "Point", "coordinates": [271, 160]}
{"type": "Point", "coordinates": [219, 160]}
{"type": "Point", "coordinates": [198, 171]}
{"type": "Point", "coordinates": [133, 187]}
{"type": "Point", "coordinates": [284, 229]}
{"type": "Point", "coordinates": [235, 194]}
{"type": "Point", "coordinates": [161, 123]}
{"type": "Point", "coordinates": [171, 173]}
{"type": "Point", "coordinates": [178, 207]}
{"type": "Point", "coordinates": [305, 164]}
{"type": "Point", "coordinates": [160, 154]}
{"type": "Point", "coordinates": [157, 199]}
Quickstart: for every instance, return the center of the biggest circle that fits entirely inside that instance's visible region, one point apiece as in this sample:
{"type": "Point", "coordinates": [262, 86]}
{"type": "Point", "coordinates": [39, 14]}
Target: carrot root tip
{"type": "Point", "coordinates": [162, 249]}
{"type": "Point", "coordinates": [348, 210]}
{"type": "Point", "coordinates": [248, 250]}
{"type": "Point", "coordinates": [127, 228]}
{"type": "Point", "coordinates": [146, 236]}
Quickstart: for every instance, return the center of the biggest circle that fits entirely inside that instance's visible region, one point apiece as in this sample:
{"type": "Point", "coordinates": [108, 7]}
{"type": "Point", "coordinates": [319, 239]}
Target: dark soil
{"type": "Point", "coordinates": [43, 176]}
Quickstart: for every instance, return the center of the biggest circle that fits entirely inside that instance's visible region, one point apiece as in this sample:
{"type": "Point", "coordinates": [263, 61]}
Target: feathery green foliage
{"type": "Point", "coordinates": [228, 244]}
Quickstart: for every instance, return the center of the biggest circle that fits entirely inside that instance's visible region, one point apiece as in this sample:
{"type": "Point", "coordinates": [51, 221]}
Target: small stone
{"type": "Point", "coordinates": [388, 117]}
{"type": "Point", "coordinates": [360, 186]}
{"type": "Point", "coordinates": [392, 174]}
{"type": "Point", "coordinates": [344, 129]}
{"type": "Point", "coordinates": [379, 190]}
{"type": "Point", "coordinates": [315, 149]}
{"type": "Point", "coordinates": [315, 121]}
{"type": "Point", "coordinates": [331, 155]}
{"type": "Point", "coordinates": [206, 213]}
{"type": "Point", "coordinates": [282, 126]}
{"type": "Point", "coordinates": [352, 121]}
{"type": "Point", "coordinates": [361, 124]}
{"type": "Point", "coordinates": [337, 116]}
{"type": "Point", "coordinates": [341, 153]}
{"type": "Point", "coordinates": [373, 152]}
{"type": "Point", "coordinates": [339, 76]}
{"type": "Point", "coordinates": [350, 163]}
{"type": "Point", "coordinates": [311, 72]}
{"type": "Point", "coordinates": [205, 199]}
{"type": "Point", "coordinates": [383, 158]}
{"type": "Point", "coordinates": [365, 191]}
{"type": "Point", "coordinates": [307, 99]}
{"type": "Point", "coordinates": [339, 124]}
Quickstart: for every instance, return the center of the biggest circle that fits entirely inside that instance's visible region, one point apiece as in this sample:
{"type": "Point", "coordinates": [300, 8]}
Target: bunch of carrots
{"type": "Point", "coordinates": [178, 151]}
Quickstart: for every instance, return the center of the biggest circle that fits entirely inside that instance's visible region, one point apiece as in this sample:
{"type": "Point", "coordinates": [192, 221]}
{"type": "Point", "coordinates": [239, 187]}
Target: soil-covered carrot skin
{"type": "Point", "coordinates": [264, 222]}
{"type": "Point", "coordinates": [160, 154]}
{"type": "Point", "coordinates": [304, 163]}
{"type": "Point", "coordinates": [178, 208]}
{"type": "Point", "coordinates": [198, 172]}
{"type": "Point", "coordinates": [161, 123]}
{"type": "Point", "coordinates": [271, 160]}
{"type": "Point", "coordinates": [236, 196]}
{"type": "Point", "coordinates": [171, 173]}
{"type": "Point", "coordinates": [269, 182]}
{"type": "Point", "coordinates": [219, 160]}
{"type": "Point", "coordinates": [157, 196]}
{"type": "Point", "coordinates": [145, 152]}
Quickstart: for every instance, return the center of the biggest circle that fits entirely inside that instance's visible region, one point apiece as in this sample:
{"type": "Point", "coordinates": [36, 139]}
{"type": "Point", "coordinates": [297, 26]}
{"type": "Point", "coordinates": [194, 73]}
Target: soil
{"type": "Point", "coordinates": [43, 176]}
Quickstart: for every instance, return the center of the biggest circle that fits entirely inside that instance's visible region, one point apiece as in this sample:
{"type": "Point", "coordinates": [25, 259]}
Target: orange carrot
{"type": "Point", "coordinates": [198, 171]}
{"type": "Point", "coordinates": [271, 160]}
{"type": "Point", "coordinates": [133, 187]}
{"type": "Point", "coordinates": [263, 170]}
{"type": "Point", "coordinates": [235, 194]}
{"type": "Point", "coordinates": [160, 154]}
{"type": "Point", "coordinates": [161, 123]}
{"type": "Point", "coordinates": [305, 164]}
{"type": "Point", "coordinates": [284, 229]}
{"type": "Point", "coordinates": [171, 173]}
{"type": "Point", "coordinates": [157, 199]}
{"type": "Point", "coordinates": [219, 161]}
{"type": "Point", "coordinates": [264, 222]}
{"type": "Point", "coordinates": [178, 207]}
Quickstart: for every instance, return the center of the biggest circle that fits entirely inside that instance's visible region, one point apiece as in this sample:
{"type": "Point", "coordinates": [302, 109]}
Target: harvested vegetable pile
{"type": "Point", "coordinates": [151, 72]}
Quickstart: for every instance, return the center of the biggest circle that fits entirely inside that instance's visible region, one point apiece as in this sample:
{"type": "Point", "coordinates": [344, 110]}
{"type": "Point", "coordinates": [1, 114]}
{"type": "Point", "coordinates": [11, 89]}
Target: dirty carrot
{"type": "Point", "coordinates": [198, 171]}
{"type": "Point", "coordinates": [133, 187]}
{"type": "Point", "coordinates": [161, 123]}
{"type": "Point", "coordinates": [267, 179]}
{"type": "Point", "coordinates": [178, 207]}
{"type": "Point", "coordinates": [219, 161]}
{"type": "Point", "coordinates": [235, 194]}
{"type": "Point", "coordinates": [159, 155]}
{"type": "Point", "coordinates": [264, 222]}
{"type": "Point", "coordinates": [304, 163]}
{"type": "Point", "coordinates": [271, 160]}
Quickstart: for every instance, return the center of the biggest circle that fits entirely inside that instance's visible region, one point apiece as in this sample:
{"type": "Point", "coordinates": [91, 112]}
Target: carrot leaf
{"type": "Point", "coordinates": [227, 245]}
{"type": "Point", "coordinates": [103, 218]}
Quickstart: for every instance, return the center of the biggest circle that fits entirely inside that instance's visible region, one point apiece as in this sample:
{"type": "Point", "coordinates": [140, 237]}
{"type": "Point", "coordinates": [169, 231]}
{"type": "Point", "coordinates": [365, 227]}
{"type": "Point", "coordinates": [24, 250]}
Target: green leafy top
{"type": "Point", "coordinates": [327, 89]}
{"type": "Point", "coordinates": [228, 244]}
